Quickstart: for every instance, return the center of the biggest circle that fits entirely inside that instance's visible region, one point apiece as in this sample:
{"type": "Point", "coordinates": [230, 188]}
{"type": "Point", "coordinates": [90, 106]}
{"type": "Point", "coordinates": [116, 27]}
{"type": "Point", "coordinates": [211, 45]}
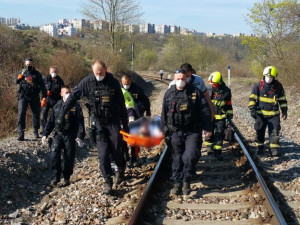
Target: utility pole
{"type": "Point", "coordinates": [228, 75]}
{"type": "Point", "coordinates": [132, 56]}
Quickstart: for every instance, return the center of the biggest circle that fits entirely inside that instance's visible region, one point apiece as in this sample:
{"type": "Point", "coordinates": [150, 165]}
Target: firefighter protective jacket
{"type": "Point", "coordinates": [266, 98]}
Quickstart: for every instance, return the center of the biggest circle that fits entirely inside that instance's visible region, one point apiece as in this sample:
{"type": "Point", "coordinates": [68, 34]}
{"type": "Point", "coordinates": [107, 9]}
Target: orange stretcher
{"type": "Point", "coordinates": [140, 141]}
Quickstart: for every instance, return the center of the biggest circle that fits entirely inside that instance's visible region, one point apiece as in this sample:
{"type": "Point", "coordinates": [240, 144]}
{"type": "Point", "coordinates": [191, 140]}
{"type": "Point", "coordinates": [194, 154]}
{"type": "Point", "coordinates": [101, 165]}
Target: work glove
{"type": "Point", "coordinates": [44, 140]}
{"type": "Point", "coordinates": [284, 114]}
{"type": "Point", "coordinates": [48, 93]}
{"type": "Point", "coordinates": [253, 113]}
{"type": "Point", "coordinates": [79, 142]}
{"type": "Point", "coordinates": [43, 103]}
{"type": "Point", "coordinates": [20, 76]}
{"type": "Point", "coordinates": [229, 116]}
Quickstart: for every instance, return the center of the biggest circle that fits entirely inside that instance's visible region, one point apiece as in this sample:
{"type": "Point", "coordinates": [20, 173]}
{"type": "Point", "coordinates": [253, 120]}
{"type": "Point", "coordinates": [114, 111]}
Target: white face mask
{"type": "Point", "coordinates": [268, 79]}
{"type": "Point", "coordinates": [126, 86]}
{"type": "Point", "coordinates": [180, 83]}
{"type": "Point", "coordinates": [100, 78]}
{"type": "Point", "coordinates": [53, 75]}
{"type": "Point", "coordinates": [66, 96]}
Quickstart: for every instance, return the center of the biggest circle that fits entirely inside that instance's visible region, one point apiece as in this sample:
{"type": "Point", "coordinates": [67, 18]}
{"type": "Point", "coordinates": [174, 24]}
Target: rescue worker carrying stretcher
{"type": "Point", "coordinates": [53, 84]}
{"type": "Point", "coordinates": [185, 113]}
{"type": "Point", "coordinates": [73, 131]}
{"type": "Point", "coordinates": [136, 108]}
{"type": "Point", "coordinates": [220, 96]}
{"type": "Point", "coordinates": [266, 97]}
{"type": "Point", "coordinates": [106, 103]}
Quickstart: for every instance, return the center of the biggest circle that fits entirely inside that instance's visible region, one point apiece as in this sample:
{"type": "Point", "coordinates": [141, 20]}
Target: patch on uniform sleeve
{"type": "Point", "coordinates": [73, 109]}
{"type": "Point", "coordinates": [66, 116]}
{"type": "Point", "coordinates": [203, 101]}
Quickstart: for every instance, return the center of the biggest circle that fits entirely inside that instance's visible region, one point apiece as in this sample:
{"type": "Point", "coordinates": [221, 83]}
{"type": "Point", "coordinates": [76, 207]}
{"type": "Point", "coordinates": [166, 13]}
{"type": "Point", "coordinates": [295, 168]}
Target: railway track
{"type": "Point", "coordinates": [228, 192]}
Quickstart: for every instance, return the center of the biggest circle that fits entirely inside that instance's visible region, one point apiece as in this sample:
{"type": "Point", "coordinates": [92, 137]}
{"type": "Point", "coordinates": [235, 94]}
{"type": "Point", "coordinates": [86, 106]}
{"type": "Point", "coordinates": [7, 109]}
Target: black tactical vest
{"type": "Point", "coordinates": [100, 100]}
{"type": "Point", "coordinates": [29, 85]}
{"type": "Point", "coordinates": [180, 110]}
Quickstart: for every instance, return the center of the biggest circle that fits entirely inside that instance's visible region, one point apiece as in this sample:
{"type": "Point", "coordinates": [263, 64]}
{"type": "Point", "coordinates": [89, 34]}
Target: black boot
{"type": "Point", "coordinates": [260, 151]}
{"type": "Point", "coordinates": [21, 137]}
{"type": "Point", "coordinates": [55, 180]}
{"type": "Point", "coordinates": [66, 182]}
{"type": "Point", "coordinates": [209, 151]}
{"type": "Point", "coordinates": [177, 188]}
{"type": "Point", "coordinates": [186, 189]}
{"type": "Point", "coordinates": [218, 155]}
{"type": "Point", "coordinates": [36, 133]}
{"type": "Point", "coordinates": [119, 177]}
{"type": "Point", "coordinates": [107, 186]}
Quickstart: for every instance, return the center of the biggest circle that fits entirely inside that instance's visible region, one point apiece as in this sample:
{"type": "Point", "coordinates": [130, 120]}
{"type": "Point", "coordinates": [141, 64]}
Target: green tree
{"type": "Point", "coordinates": [276, 25]}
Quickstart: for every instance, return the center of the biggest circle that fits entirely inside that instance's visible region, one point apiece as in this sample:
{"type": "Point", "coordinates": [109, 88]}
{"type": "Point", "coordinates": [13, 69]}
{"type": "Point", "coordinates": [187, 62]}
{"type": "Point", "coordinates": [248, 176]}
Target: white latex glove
{"type": "Point", "coordinates": [44, 140]}
{"type": "Point", "coordinates": [79, 142]}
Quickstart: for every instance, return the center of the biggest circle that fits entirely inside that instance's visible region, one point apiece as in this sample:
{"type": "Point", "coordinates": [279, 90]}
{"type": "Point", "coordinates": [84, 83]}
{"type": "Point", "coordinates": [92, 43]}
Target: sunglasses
{"type": "Point", "coordinates": [180, 71]}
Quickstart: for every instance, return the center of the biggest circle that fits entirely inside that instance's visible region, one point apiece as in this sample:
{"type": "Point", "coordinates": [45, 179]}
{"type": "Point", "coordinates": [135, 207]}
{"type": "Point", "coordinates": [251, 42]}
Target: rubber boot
{"type": "Point", "coordinates": [260, 151]}
{"type": "Point", "coordinates": [186, 188]}
{"type": "Point", "coordinates": [66, 183]}
{"type": "Point", "coordinates": [177, 188]}
{"type": "Point", "coordinates": [107, 186]}
{"type": "Point", "coordinates": [218, 155]}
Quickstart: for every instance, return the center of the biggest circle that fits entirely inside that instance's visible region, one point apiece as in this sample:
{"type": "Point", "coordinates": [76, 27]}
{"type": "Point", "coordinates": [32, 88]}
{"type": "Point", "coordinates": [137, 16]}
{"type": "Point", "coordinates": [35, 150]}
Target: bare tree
{"type": "Point", "coordinates": [118, 13]}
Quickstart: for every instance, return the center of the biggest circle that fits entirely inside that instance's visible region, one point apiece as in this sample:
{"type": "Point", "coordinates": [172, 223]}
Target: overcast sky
{"type": "Point", "coordinates": [219, 16]}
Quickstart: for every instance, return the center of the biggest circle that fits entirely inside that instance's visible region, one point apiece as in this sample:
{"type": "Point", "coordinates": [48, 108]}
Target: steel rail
{"type": "Point", "coordinates": [276, 211]}
{"type": "Point", "coordinates": [139, 208]}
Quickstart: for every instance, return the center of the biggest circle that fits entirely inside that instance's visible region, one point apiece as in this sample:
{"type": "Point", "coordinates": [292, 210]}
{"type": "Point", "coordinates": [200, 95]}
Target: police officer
{"type": "Point", "coordinates": [107, 109]}
{"type": "Point", "coordinates": [30, 83]}
{"type": "Point", "coordinates": [141, 105]}
{"type": "Point", "coordinates": [197, 82]}
{"type": "Point", "coordinates": [53, 83]}
{"type": "Point", "coordinates": [221, 98]}
{"type": "Point", "coordinates": [141, 100]}
{"type": "Point", "coordinates": [73, 131]}
{"type": "Point", "coordinates": [266, 97]}
{"type": "Point", "coordinates": [185, 113]}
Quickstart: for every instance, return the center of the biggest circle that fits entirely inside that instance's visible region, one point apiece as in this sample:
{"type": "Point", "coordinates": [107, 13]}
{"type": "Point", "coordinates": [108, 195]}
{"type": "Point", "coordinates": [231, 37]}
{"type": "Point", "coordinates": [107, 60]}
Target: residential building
{"type": "Point", "coordinates": [174, 30]}
{"type": "Point", "coordinates": [12, 21]}
{"type": "Point", "coordinates": [147, 28]}
{"type": "Point", "coordinates": [162, 29]}
{"type": "Point", "coordinates": [50, 29]}
{"type": "Point", "coordinates": [3, 20]}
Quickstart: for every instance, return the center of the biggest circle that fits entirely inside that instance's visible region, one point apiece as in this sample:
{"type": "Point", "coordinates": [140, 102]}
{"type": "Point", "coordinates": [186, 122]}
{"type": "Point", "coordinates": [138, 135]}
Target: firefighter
{"type": "Point", "coordinates": [108, 109]}
{"type": "Point", "coordinates": [73, 131]}
{"type": "Point", "coordinates": [30, 83]}
{"type": "Point", "coordinates": [220, 96]}
{"type": "Point", "coordinates": [266, 97]}
{"type": "Point", "coordinates": [197, 82]}
{"type": "Point", "coordinates": [141, 105]}
{"type": "Point", "coordinates": [185, 113]}
{"type": "Point", "coordinates": [53, 83]}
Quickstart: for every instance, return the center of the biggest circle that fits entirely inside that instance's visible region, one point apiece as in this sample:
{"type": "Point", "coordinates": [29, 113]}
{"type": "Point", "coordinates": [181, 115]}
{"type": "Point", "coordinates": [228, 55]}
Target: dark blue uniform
{"type": "Point", "coordinates": [141, 100]}
{"type": "Point", "coordinates": [28, 94]}
{"type": "Point", "coordinates": [73, 127]}
{"type": "Point", "coordinates": [184, 114]}
{"type": "Point", "coordinates": [53, 87]}
{"type": "Point", "coordinates": [107, 108]}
